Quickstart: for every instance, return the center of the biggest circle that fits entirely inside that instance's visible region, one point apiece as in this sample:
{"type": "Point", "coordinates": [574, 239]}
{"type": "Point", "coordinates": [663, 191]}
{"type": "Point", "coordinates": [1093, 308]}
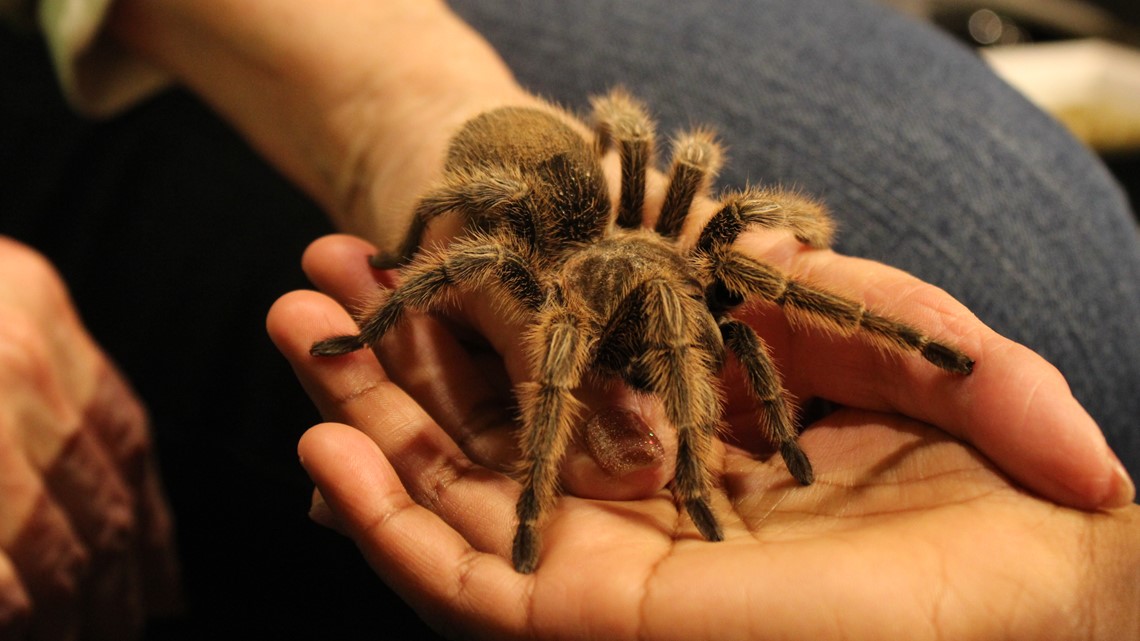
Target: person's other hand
{"type": "Point", "coordinates": [86, 544]}
{"type": "Point", "coordinates": [906, 533]}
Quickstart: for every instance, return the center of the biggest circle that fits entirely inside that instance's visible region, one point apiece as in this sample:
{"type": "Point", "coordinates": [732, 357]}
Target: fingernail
{"type": "Point", "coordinates": [321, 513]}
{"type": "Point", "coordinates": [621, 442]}
{"type": "Point", "coordinates": [1125, 490]}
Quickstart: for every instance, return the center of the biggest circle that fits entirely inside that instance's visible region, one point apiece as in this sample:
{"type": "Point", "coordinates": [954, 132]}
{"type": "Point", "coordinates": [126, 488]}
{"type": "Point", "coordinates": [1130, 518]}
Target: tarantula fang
{"type": "Point", "coordinates": [608, 297]}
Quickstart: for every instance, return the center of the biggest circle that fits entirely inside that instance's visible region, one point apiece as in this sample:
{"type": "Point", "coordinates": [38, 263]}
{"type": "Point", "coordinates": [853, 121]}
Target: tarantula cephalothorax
{"type": "Point", "coordinates": [606, 296]}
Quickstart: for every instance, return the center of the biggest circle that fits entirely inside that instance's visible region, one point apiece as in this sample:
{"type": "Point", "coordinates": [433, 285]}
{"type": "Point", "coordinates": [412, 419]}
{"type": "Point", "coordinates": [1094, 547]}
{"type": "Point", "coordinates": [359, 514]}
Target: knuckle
{"type": "Point", "coordinates": [85, 483]}
{"type": "Point", "coordinates": [15, 616]}
{"type": "Point", "coordinates": [49, 557]}
{"type": "Point", "coordinates": [15, 606]}
{"type": "Point", "coordinates": [27, 262]}
{"type": "Point", "coordinates": [61, 582]}
{"type": "Point", "coordinates": [24, 350]}
{"type": "Point", "coordinates": [117, 530]}
{"type": "Point", "coordinates": [40, 284]}
{"type": "Point", "coordinates": [121, 424]}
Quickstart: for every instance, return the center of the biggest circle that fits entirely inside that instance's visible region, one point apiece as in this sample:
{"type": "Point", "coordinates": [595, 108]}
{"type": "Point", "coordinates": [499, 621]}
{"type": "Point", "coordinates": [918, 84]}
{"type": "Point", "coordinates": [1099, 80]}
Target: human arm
{"type": "Point", "coordinates": [86, 540]}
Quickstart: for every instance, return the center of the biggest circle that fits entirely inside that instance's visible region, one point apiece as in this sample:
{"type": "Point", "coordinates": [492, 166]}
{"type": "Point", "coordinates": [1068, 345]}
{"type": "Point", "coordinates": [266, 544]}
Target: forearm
{"type": "Point", "coordinates": [353, 100]}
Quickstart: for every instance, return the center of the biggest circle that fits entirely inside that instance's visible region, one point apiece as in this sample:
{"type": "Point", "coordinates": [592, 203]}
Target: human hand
{"type": "Point", "coordinates": [907, 533]}
{"type": "Point", "coordinates": [1016, 409]}
{"type": "Point", "coordinates": [86, 544]}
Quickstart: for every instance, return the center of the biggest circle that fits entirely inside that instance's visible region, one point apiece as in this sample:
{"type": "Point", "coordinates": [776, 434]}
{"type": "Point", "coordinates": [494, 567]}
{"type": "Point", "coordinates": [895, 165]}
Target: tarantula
{"type": "Point", "coordinates": [608, 297]}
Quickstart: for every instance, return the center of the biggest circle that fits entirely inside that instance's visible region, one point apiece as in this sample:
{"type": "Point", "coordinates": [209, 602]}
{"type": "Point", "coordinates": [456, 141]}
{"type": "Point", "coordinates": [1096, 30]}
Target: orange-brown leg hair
{"type": "Point", "coordinates": [428, 281]}
{"type": "Point", "coordinates": [681, 372]}
{"type": "Point", "coordinates": [621, 120]}
{"type": "Point", "coordinates": [549, 410]}
{"type": "Point", "coordinates": [767, 208]}
{"type": "Point", "coordinates": [697, 158]}
{"type": "Point", "coordinates": [484, 197]}
{"type": "Point", "coordinates": [745, 278]}
{"type": "Point", "coordinates": [764, 384]}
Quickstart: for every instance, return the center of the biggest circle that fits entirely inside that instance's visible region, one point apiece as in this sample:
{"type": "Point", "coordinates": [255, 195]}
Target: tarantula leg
{"type": "Point", "coordinates": [697, 158]}
{"type": "Point", "coordinates": [483, 196]}
{"type": "Point", "coordinates": [681, 372]}
{"type": "Point", "coordinates": [619, 118]}
{"type": "Point", "coordinates": [427, 282]}
{"type": "Point", "coordinates": [337, 345]}
{"type": "Point", "coordinates": [768, 208]}
{"type": "Point", "coordinates": [548, 412]}
{"type": "Point", "coordinates": [764, 383]}
{"type": "Point", "coordinates": [742, 277]}
{"type": "Point", "coordinates": [905, 337]}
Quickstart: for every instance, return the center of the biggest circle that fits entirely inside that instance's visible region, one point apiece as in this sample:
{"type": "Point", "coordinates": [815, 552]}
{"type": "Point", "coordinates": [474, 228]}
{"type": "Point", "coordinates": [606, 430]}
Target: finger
{"type": "Point", "coordinates": [619, 454]}
{"type": "Point", "coordinates": [46, 553]}
{"type": "Point", "coordinates": [15, 604]}
{"type": "Point", "coordinates": [1015, 407]}
{"type": "Point", "coordinates": [87, 487]}
{"type": "Point", "coordinates": [452, 584]}
{"type": "Point", "coordinates": [322, 514]}
{"type": "Point", "coordinates": [334, 264]}
{"type": "Point", "coordinates": [353, 390]}
{"type": "Point", "coordinates": [471, 398]}
{"type": "Point", "coordinates": [121, 426]}
{"type": "Point", "coordinates": [54, 566]}
{"type": "Point", "coordinates": [424, 359]}
{"type": "Point", "coordinates": [99, 506]}
{"type": "Point", "coordinates": [338, 265]}
{"type": "Point", "coordinates": [156, 549]}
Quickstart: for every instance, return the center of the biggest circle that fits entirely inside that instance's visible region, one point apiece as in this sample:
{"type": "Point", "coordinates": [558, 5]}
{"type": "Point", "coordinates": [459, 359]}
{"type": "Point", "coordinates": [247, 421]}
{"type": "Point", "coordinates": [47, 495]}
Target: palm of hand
{"type": "Point", "coordinates": [905, 529]}
{"type": "Point", "coordinates": [906, 533]}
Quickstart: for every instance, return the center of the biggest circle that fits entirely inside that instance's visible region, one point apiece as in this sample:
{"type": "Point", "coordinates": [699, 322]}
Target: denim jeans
{"type": "Point", "coordinates": [929, 162]}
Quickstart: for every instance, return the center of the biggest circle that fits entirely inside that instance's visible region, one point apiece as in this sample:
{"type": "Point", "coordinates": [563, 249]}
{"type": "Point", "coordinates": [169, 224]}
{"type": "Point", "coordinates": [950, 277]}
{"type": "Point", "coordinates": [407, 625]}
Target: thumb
{"type": "Point", "coordinates": [619, 455]}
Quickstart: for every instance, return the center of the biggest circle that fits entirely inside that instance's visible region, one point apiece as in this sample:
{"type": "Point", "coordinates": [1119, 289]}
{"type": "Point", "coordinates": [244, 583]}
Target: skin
{"type": "Point", "coordinates": [907, 532]}
{"type": "Point", "coordinates": [369, 94]}
{"type": "Point", "coordinates": [86, 539]}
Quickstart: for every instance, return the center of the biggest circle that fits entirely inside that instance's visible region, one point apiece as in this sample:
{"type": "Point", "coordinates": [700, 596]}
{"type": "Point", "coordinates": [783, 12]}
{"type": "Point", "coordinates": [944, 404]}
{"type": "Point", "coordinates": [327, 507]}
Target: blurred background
{"type": "Point", "coordinates": [1079, 60]}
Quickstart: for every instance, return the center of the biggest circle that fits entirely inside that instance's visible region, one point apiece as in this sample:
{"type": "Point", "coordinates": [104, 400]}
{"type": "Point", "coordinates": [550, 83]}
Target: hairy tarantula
{"type": "Point", "coordinates": [606, 296]}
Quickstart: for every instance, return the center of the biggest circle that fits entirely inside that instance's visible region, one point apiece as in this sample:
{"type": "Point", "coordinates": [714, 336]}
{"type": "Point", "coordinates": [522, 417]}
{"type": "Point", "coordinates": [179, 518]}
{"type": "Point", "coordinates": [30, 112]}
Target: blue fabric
{"type": "Point", "coordinates": [929, 162]}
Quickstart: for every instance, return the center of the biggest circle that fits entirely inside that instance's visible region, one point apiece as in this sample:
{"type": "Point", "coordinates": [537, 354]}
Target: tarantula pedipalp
{"type": "Point", "coordinates": [608, 297]}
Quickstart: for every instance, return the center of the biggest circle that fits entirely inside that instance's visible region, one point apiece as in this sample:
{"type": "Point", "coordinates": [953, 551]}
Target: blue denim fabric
{"type": "Point", "coordinates": [929, 161]}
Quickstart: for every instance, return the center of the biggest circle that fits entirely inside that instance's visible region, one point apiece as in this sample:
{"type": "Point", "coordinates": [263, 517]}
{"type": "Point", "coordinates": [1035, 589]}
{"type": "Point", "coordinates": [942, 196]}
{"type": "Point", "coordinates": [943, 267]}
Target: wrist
{"type": "Point", "coordinates": [353, 100]}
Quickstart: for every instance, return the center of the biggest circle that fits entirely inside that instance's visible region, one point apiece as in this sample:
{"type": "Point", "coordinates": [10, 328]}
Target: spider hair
{"type": "Point", "coordinates": [607, 297]}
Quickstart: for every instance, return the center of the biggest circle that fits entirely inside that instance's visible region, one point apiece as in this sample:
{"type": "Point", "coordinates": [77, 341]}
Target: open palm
{"type": "Point", "coordinates": [906, 535]}
{"type": "Point", "coordinates": [907, 531]}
